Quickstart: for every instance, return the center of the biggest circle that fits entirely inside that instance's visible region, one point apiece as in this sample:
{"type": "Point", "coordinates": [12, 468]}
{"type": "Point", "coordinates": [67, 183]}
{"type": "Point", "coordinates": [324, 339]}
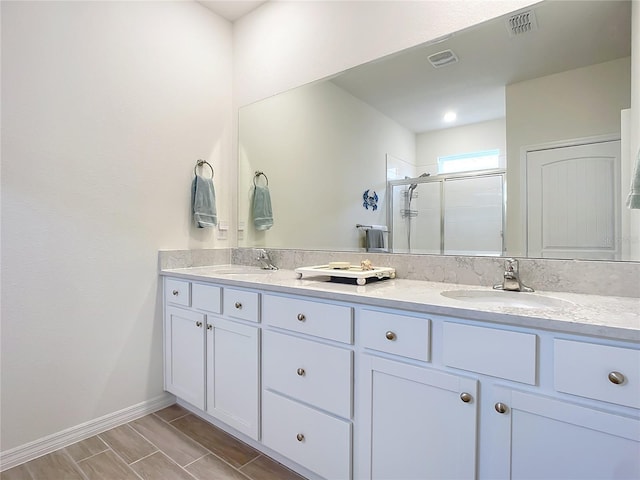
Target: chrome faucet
{"type": "Point", "coordinates": [265, 260]}
{"type": "Point", "coordinates": [511, 276]}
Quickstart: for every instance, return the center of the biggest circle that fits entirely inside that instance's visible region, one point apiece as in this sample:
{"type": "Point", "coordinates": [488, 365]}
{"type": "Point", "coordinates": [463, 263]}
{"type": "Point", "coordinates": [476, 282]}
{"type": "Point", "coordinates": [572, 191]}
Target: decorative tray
{"type": "Point", "coordinates": [354, 271]}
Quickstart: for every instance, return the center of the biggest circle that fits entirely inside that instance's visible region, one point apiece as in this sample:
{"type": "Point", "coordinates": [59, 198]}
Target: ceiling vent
{"type": "Point", "coordinates": [521, 23]}
{"type": "Point", "coordinates": [440, 59]}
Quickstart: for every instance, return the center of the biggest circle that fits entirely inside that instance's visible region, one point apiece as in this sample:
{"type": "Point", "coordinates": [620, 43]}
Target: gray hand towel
{"type": "Point", "coordinates": [204, 202]}
{"type": "Point", "coordinates": [633, 200]}
{"type": "Point", "coordinates": [262, 213]}
{"type": "Point", "coordinates": [374, 238]}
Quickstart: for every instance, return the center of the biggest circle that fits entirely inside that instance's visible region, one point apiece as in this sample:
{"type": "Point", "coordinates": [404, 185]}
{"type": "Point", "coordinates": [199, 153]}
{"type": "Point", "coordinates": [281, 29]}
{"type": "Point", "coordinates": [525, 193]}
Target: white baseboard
{"type": "Point", "coordinates": [29, 451]}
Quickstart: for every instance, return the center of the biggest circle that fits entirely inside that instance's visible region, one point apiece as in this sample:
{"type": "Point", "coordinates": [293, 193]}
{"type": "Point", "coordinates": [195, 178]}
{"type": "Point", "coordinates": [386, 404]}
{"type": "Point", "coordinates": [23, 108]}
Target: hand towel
{"type": "Point", "coordinates": [262, 213]}
{"type": "Point", "coordinates": [374, 239]}
{"type": "Point", "coordinates": [633, 200]}
{"type": "Point", "coordinates": [203, 199]}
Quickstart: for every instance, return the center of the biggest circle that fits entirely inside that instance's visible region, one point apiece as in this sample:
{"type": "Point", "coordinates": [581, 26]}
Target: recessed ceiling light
{"type": "Point", "coordinates": [449, 117]}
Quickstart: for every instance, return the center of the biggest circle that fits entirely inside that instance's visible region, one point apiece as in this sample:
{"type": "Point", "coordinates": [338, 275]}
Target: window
{"type": "Point", "coordinates": [466, 162]}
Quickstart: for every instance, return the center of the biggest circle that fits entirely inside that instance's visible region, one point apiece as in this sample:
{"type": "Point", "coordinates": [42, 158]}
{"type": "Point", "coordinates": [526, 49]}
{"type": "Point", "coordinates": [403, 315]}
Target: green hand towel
{"type": "Point", "coordinates": [633, 201]}
{"type": "Point", "coordinates": [204, 202]}
{"type": "Point", "coordinates": [262, 213]}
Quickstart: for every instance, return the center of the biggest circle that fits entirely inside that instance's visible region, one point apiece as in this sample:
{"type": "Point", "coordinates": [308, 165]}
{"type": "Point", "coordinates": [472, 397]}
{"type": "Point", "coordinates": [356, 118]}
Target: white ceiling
{"type": "Point", "coordinates": [231, 9]}
{"type": "Point", "coordinates": [570, 34]}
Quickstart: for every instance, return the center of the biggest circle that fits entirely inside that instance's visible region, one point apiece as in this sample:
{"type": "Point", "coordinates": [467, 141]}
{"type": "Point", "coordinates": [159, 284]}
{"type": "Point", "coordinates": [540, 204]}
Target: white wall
{"type": "Point", "coordinates": [105, 108]}
{"type": "Point", "coordinates": [315, 145]}
{"type": "Point", "coordinates": [574, 104]}
{"type": "Point", "coordinates": [456, 140]}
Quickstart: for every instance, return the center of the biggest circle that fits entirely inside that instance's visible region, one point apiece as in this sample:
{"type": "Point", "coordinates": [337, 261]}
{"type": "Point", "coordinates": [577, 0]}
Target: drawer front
{"type": "Point", "coordinates": [499, 353]}
{"type": "Point", "coordinates": [241, 304]}
{"type": "Point", "coordinates": [177, 292]}
{"type": "Point", "coordinates": [397, 334]}
{"type": "Point", "coordinates": [323, 320]}
{"type": "Point", "coordinates": [601, 372]}
{"type": "Point", "coordinates": [316, 441]}
{"type": "Point", "coordinates": [206, 297]}
{"type": "Point", "coordinates": [318, 374]}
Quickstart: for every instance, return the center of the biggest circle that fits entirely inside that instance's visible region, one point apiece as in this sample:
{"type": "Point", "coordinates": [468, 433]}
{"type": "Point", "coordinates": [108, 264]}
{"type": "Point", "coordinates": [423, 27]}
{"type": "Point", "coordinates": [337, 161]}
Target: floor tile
{"type": "Point", "coordinates": [56, 465]}
{"type": "Point", "coordinates": [219, 442]}
{"type": "Point", "coordinates": [213, 468]}
{"type": "Point", "coordinates": [127, 443]}
{"type": "Point", "coordinates": [159, 467]}
{"type": "Point", "coordinates": [180, 448]}
{"type": "Point", "coordinates": [172, 412]}
{"type": "Point", "coordinates": [106, 466]}
{"type": "Point", "coordinates": [264, 468]}
{"type": "Point", "coordinates": [86, 448]}
{"type": "Point", "coordinates": [16, 473]}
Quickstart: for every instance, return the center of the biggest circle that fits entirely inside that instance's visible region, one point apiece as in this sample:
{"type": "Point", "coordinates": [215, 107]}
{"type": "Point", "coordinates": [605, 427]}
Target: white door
{"type": "Point", "coordinates": [184, 355]}
{"type": "Point", "coordinates": [233, 384]}
{"type": "Point", "coordinates": [537, 437]}
{"type": "Point", "coordinates": [414, 424]}
{"type": "Point", "coordinates": [572, 202]}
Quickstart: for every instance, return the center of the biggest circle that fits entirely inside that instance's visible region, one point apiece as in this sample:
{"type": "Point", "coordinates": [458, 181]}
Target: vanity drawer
{"type": "Point", "coordinates": [396, 334]}
{"type": "Point", "coordinates": [241, 304]}
{"type": "Point", "coordinates": [206, 297]}
{"type": "Point", "coordinates": [601, 372]}
{"type": "Point", "coordinates": [334, 322]}
{"type": "Point", "coordinates": [177, 292]}
{"type": "Point", "coordinates": [317, 441]}
{"type": "Point", "coordinates": [314, 373]}
{"type": "Point", "coordinates": [491, 351]}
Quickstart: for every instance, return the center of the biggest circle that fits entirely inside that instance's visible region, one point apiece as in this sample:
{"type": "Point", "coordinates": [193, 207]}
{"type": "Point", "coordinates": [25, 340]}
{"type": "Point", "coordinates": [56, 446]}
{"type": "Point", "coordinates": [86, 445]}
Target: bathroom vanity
{"type": "Point", "coordinates": [394, 380]}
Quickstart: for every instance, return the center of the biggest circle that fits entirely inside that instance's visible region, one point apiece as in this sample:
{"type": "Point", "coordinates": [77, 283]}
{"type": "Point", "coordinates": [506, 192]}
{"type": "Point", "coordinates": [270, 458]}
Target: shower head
{"type": "Point", "coordinates": [413, 186]}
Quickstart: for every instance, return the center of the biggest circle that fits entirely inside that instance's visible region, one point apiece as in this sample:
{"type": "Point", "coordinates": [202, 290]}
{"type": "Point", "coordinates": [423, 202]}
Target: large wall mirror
{"type": "Point", "coordinates": [535, 163]}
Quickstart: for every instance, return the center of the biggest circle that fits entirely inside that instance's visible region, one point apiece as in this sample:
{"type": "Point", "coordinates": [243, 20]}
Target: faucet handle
{"type": "Point", "coordinates": [511, 265]}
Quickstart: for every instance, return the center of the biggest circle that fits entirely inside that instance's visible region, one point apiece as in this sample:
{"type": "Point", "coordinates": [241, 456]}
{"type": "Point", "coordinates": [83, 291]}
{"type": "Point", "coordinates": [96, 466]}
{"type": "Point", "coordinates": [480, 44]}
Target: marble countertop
{"type": "Point", "coordinates": [594, 315]}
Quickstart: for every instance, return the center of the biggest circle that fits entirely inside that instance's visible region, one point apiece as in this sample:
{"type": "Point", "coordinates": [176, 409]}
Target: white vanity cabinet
{"type": "Point", "coordinates": [212, 359]}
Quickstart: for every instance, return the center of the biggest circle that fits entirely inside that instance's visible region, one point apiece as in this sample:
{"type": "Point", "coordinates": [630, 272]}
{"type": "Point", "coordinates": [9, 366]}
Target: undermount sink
{"type": "Point", "coordinates": [504, 298]}
{"type": "Point", "coordinates": [240, 270]}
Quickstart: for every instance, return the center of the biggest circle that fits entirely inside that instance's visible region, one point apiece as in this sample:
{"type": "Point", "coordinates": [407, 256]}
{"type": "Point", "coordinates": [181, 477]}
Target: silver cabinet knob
{"type": "Point", "coordinates": [390, 335]}
{"type": "Point", "coordinates": [175, 293]}
{"type": "Point", "coordinates": [209, 326]}
{"type": "Point", "coordinates": [617, 378]}
{"type": "Point", "coordinates": [301, 372]}
{"type": "Point", "coordinates": [466, 397]}
{"type": "Point", "coordinates": [300, 437]}
{"type": "Point", "coordinates": [301, 317]}
{"type": "Point", "coordinates": [500, 407]}
{"type": "Point", "coordinates": [238, 305]}
{"type": "Point", "coordinates": [198, 324]}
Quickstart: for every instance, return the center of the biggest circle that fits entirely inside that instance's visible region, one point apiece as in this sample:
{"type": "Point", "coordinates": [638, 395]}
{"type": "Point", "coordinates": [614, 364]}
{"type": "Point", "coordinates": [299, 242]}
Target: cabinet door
{"type": "Point", "coordinates": [542, 437]}
{"type": "Point", "coordinates": [414, 424]}
{"type": "Point", "coordinates": [233, 374]}
{"type": "Point", "coordinates": [184, 355]}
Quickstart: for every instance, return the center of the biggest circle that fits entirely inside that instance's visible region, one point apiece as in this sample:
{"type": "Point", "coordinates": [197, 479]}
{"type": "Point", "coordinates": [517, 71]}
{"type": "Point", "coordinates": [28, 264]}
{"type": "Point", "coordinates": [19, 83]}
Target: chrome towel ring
{"type": "Point", "coordinates": [257, 176]}
{"type": "Point", "coordinates": [201, 163]}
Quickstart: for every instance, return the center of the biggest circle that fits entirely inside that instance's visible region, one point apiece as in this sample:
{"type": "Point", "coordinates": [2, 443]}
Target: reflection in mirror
{"type": "Point", "coordinates": [544, 99]}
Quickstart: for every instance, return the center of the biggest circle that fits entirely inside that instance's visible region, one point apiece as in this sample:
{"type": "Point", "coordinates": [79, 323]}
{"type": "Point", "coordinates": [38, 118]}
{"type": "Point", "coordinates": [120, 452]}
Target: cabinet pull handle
{"type": "Point", "coordinates": [617, 378]}
{"type": "Point", "coordinates": [238, 305]}
{"type": "Point", "coordinates": [300, 437]}
{"type": "Point", "coordinates": [301, 317]}
{"type": "Point", "coordinates": [390, 335]}
{"type": "Point", "coordinates": [466, 397]}
{"type": "Point", "coordinates": [501, 407]}
{"type": "Point", "coordinates": [301, 372]}
{"type": "Point", "coordinates": [198, 324]}
{"type": "Point", "coordinates": [175, 293]}
{"type": "Point", "coordinates": [209, 326]}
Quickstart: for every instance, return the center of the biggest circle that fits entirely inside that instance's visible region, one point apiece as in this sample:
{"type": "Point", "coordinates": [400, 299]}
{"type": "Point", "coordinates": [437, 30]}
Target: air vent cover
{"type": "Point", "coordinates": [440, 59]}
{"type": "Point", "coordinates": [523, 22]}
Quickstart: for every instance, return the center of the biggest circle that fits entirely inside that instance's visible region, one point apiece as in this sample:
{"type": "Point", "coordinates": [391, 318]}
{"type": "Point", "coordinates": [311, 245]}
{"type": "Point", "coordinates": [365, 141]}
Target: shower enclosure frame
{"type": "Point", "coordinates": [442, 179]}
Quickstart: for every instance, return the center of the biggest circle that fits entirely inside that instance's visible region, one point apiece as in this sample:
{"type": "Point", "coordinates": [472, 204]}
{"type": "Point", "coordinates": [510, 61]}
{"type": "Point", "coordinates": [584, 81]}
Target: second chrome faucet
{"type": "Point", "coordinates": [511, 278]}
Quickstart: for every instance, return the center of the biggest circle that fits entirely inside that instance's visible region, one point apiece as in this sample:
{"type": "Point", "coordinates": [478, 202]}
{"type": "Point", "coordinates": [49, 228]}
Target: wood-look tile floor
{"type": "Point", "coordinates": [171, 444]}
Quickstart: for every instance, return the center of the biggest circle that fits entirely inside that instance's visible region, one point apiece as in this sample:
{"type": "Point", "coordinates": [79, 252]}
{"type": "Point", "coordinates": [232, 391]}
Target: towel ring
{"type": "Point", "coordinates": [258, 175]}
{"type": "Point", "coordinates": [201, 163]}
